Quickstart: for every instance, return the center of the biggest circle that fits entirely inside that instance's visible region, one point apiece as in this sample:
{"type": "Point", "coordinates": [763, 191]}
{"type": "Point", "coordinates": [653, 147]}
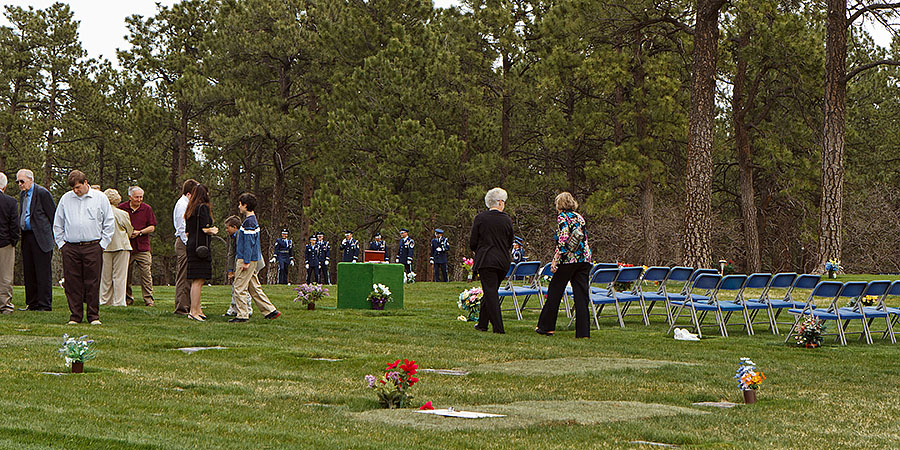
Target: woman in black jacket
{"type": "Point", "coordinates": [491, 240]}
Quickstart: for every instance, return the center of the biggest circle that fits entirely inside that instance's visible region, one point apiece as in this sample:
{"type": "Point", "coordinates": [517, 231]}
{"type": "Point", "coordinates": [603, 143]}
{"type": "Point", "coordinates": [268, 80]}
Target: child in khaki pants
{"type": "Point", "coordinates": [247, 257]}
{"type": "Point", "coordinates": [232, 224]}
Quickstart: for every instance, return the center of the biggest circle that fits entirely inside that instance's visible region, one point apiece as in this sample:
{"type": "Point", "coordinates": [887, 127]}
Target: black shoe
{"type": "Point", "coordinates": [545, 333]}
{"type": "Point", "coordinates": [202, 317]}
{"type": "Point", "coordinates": [477, 328]}
{"type": "Point", "coordinates": [237, 320]}
{"type": "Point", "coordinates": [273, 315]}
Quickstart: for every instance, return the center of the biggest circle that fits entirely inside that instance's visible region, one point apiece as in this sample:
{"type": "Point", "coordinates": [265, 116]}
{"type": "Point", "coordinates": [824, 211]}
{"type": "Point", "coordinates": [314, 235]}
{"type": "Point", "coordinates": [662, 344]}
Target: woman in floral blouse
{"type": "Point", "coordinates": [572, 262]}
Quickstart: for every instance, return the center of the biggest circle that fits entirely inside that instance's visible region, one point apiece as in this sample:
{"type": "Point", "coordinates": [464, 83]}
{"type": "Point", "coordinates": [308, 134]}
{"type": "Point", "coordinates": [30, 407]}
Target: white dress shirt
{"type": "Point", "coordinates": [178, 218]}
{"type": "Point", "coordinates": [83, 219]}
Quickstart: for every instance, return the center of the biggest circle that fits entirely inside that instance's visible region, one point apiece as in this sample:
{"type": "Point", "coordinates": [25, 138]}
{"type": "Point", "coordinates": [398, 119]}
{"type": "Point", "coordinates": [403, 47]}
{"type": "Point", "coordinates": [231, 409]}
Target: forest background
{"type": "Point", "coordinates": [690, 131]}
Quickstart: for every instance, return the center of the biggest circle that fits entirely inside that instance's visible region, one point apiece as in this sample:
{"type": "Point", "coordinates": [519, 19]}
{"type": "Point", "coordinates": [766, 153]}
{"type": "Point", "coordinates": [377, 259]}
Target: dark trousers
{"type": "Point", "coordinates": [440, 272]}
{"type": "Point", "coordinates": [577, 273]}
{"type": "Point", "coordinates": [81, 267]}
{"type": "Point", "coordinates": [38, 276]}
{"type": "Point", "coordinates": [408, 268]}
{"type": "Point", "coordinates": [312, 275]}
{"type": "Point", "coordinates": [490, 303]}
{"type": "Point", "coordinates": [283, 267]}
{"type": "Point", "coordinates": [323, 274]}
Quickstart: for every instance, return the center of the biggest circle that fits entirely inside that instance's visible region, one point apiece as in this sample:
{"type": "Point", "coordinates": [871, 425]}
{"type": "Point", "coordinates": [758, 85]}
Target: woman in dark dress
{"type": "Point", "coordinates": [198, 226]}
{"type": "Point", "coordinates": [491, 240]}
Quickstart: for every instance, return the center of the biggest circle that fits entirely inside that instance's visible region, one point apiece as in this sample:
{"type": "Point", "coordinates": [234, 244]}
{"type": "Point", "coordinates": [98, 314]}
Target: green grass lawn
{"type": "Point", "coordinates": [266, 390]}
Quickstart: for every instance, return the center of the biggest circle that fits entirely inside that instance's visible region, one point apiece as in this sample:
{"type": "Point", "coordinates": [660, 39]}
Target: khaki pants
{"type": "Point", "coordinates": [144, 262]}
{"type": "Point", "coordinates": [182, 285]}
{"type": "Point", "coordinates": [7, 264]}
{"type": "Point", "coordinates": [113, 278]}
{"type": "Point", "coordinates": [247, 282]}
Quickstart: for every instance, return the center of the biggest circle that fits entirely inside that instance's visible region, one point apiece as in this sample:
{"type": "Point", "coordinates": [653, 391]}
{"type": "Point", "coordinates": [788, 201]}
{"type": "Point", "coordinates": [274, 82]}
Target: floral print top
{"type": "Point", "coordinates": [570, 227]}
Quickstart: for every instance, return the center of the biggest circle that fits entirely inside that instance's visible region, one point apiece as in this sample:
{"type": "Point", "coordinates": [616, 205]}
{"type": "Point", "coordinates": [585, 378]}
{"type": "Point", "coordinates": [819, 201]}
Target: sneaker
{"type": "Point", "coordinates": [229, 314]}
{"type": "Point", "coordinates": [72, 322]}
{"type": "Point", "coordinates": [237, 320]}
{"type": "Point", "coordinates": [96, 322]}
{"type": "Point", "coordinates": [273, 315]}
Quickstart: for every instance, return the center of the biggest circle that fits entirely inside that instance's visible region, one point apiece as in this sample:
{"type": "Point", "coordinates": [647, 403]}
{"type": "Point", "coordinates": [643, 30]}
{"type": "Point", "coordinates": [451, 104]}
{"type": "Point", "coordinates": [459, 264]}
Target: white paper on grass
{"type": "Point", "coordinates": [450, 412]}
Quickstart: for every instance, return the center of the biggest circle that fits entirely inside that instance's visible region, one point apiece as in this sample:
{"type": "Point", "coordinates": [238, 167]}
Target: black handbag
{"type": "Point", "coordinates": [202, 251]}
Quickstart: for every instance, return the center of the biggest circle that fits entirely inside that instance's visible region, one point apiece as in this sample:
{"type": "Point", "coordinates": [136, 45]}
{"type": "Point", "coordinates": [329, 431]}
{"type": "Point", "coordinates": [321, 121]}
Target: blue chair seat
{"type": "Point", "coordinates": [723, 305]}
{"type": "Point", "coordinates": [654, 297]}
{"type": "Point", "coordinates": [680, 298]}
{"type": "Point", "coordinates": [626, 297]}
{"type": "Point", "coordinates": [893, 311]}
{"type": "Point", "coordinates": [756, 305]}
{"type": "Point", "coordinates": [821, 314]}
{"type": "Point", "coordinates": [505, 292]}
{"type": "Point", "coordinates": [598, 299]}
{"type": "Point", "coordinates": [594, 290]}
{"type": "Point", "coordinates": [521, 290]}
{"type": "Point", "coordinates": [871, 312]}
{"type": "Point", "coordinates": [781, 304]}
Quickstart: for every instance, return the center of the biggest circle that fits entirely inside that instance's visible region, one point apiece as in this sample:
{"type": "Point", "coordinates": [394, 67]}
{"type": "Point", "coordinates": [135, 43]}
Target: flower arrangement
{"type": "Point", "coordinates": [809, 335]}
{"type": "Point", "coordinates": [409, 278]}
{"type": "Point", "coordinates": [379, 296]}
{"type": "Point", "coordinates": [470, 302]}
{"type": "Point", "coordinates": [728, 269]}
{"type": "Point", "coordinates": [393, 387]}
{"type": "Point", "coordinates": [467, 265]}
{"type": "Point", "coordinates": [309, 294]}
{"type": "Point", "coordinates": [866, 300]}
{"type": "Point", "coordinates": [749, 378]}
{"type": "Point", "coordinates": [833, 267]}
{"type": "Point", "coordinates": [77, 350]}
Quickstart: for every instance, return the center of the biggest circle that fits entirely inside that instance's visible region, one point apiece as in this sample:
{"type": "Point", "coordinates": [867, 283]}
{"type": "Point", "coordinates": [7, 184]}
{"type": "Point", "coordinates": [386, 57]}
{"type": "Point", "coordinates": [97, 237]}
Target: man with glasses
{"type": "Point", "coordinates": [83, 227]}
{"type": "Point", "coordinates": [36, 212]}
{"type": "Point", "coordinates": [9, 235]}
{"type": "Point", "coordinates": [144, 222]}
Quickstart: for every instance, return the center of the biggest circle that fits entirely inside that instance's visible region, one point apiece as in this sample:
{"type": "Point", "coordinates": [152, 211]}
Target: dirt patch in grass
{"type": "Point", "coordinates": [571, 366]}
{"type": "Point", "coordinates": [525, 414]}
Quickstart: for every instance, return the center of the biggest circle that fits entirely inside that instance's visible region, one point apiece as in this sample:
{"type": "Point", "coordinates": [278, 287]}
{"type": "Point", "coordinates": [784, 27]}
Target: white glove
{"type": "Point", "coordinates": [307, 266]}
{"type": "Point", "coordinates": [326, 262]}
{"type": "Point", "coordinates": [431, 261]}
{"type": "Point", "coordinates": [272, 260]}
{"type": "Point", "coordinates": [292, 263]}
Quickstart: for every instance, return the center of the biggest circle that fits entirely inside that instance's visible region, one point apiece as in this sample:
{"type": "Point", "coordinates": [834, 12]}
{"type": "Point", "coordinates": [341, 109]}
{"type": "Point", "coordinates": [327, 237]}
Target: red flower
{"type": "Point", "coordinates": [412, 381]}
{"type": "Point", "coordinates": [410, 367]}
{"type": "Point", "coordinates": [393, 365]}
{"type": "Point", "coordinates": [426, 406]}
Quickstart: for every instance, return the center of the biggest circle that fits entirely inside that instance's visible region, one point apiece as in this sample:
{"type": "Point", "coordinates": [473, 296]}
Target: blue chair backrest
{"type": "Point", "coordinates": [807, 282]}
{"type": "Point", "coordinates": [783, 280]}
{"type": "Point", "coordinates": [853, 289]}
{"type": "Point", "coordinates": [680, 273]}
{"type": "Point", "coordinates": [699, 272]}
{"type": "Point", "coordinates": [512, 267]}
{"type": "Point", "coordinates": [604, 276]}
{"type": "Point", "coordinates": [732, 282]}
{"type": "Point", "coordinates": [629, 274]}
{"type": "Point", "coordinates": [707, 281]}
{"type": "Point", "coordinates": [526, 268]}
{"type": "Point", "coordinates": [606, 266]}
{"type": "Point", "coordinates": [877, 288]}
{"type": "Point", "coordinates": [827, 289]}
{"type": "Point", "coordinates": [895, 288]}
{"type": "Point", "coordinates": [546, 270]}
{"type": "Point", "coordinates": [656, 273]}
{"type": "Point", "coordinates": [758, 281]}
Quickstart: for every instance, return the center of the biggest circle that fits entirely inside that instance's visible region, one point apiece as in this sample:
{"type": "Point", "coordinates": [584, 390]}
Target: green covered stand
{"type": "Point", "coordinates": [355, 282]}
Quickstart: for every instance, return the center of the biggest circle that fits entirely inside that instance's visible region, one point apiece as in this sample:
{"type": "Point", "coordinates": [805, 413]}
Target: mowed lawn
{"type": "Point", "coordinates": [266, 390]}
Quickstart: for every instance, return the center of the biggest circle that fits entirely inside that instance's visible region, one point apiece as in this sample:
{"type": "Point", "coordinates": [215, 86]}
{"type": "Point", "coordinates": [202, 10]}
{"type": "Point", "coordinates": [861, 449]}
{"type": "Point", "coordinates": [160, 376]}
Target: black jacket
{"type": "Point", "coordinates": [43, 210]}
{"type": "Point", "coordinates": [491, 239]}
{"type": "Point", "coordinates": [9, 221]}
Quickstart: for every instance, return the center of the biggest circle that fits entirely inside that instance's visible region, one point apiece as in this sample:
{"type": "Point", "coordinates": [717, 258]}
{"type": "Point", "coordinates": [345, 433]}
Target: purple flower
{"type": "Point", "coordinates": [371, 380]}
{"type": "Point", "coordinates": [394, 377]}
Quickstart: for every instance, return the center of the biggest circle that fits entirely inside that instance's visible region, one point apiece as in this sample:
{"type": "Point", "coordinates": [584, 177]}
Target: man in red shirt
{"type": "Point", "coordinates": [144, 222]}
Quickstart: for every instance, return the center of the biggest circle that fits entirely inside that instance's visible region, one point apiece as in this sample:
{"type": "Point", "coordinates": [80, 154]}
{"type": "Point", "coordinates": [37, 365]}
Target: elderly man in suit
{"type": "Point", "coordinates": [9, 235]}
{"type": "Point", "coordinates": [36, 212]}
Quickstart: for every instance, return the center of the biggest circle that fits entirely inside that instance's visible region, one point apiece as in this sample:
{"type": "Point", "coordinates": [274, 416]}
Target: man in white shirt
{"type": "Point", "coordinates": [83, 226]}
{"type": "Point", "coordinates": [182, 286]}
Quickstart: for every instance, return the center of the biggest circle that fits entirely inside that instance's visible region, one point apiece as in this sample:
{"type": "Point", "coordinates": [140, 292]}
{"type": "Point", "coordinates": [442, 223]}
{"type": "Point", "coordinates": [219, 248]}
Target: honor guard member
{"type": "Point", "coordinates": [405, 254]}
{"type": "Point", "coordinates": [517, 254]}
{"type": "Point", "coordinates": [324, 258]}
{"type": "Point", "coordinates": [284, 256]}
{"type": "Point", "coordinates": [349, 248]}
{"type": "Point", "coordinates": [312, 261]}
{"type": "Point", "coordinates": [439, 248]}
{"type": "Point", "coordinates": [379, 245]}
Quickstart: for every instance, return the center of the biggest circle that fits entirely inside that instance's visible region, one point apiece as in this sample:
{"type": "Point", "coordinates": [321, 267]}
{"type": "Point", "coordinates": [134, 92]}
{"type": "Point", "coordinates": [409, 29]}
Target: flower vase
{"type": "Point", "coordinates": [311, 306]}
{"type": "Point", "coordinates": [378, 305]}
{"type": "Point", "coordinates": [831, 274]}
{"type": "Point", "coordinates": [77, 367]}
{"type": "Point", "coordinates": [750, 396]}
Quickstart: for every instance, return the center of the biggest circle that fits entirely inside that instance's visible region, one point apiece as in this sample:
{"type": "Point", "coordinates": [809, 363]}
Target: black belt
{"type": "Point", "coordinates": [84, 243]}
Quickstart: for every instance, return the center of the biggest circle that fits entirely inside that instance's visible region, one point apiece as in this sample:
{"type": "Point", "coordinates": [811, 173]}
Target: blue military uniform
{"type": "Point", "coordinates": [518, 255]}
{"type": "Point", "coordinates": [379, 245]}
{"type": "Point", "coordinates": [324, 252]}
{"type": "Point", "coordinates": [405, 254]}
{"type": "Point", "coordinates": [312, 261]}
{"type": "Point", "coordinates": [284, 256]}
{"type": "Point", "coordinates": [349, 248]}
{"type": "Point", "coordinates": [439, 249]}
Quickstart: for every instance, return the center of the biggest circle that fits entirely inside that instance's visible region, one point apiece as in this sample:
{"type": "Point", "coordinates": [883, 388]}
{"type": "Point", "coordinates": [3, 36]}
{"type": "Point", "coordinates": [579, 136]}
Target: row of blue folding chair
{"type": "Point", "coordinates": [834, 292]}
{"type": "Point", "coordinates": [522, 283]}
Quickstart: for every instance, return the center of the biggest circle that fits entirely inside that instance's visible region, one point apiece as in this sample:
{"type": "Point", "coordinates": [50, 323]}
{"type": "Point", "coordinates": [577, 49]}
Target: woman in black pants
{"type": "Point", "coordinates": [491, 240]}
{"type": "Point", "coordinates": [572, 262]}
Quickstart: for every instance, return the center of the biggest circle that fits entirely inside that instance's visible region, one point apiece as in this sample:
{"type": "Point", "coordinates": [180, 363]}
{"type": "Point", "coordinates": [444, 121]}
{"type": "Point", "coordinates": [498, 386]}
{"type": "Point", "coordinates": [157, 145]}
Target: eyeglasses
{"type": "Point", "coordinates": [20, 181]}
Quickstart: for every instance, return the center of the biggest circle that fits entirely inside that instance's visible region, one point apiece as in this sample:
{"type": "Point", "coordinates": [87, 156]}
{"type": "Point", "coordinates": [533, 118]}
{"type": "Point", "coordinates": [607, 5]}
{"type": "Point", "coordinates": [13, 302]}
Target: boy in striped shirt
{"type": "Point", "coordinates": [248, 255]}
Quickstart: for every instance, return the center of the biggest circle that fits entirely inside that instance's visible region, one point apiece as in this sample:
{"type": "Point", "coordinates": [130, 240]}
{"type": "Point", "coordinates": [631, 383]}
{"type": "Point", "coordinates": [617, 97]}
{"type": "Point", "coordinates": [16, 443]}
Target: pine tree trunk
{"type": "Point", "coordinates": [698, 181]}
{"type": "Point", "coordinates": [648, 209]}
{"type": "Point", "coordinates": [739, 107]}
{"type": "Point", "coordinates": [831, 206]}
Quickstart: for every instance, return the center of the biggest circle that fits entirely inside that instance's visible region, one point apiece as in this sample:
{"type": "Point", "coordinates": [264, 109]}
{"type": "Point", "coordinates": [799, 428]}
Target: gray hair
{"type": "Point", "coordinates": [134, 189]}
{"type": "Point", "coordinates": [494, 196]}
{"type": "Point", "coordinates": [28, 174]}
{"type": "Point", "coordinates": [113, 196]}
{"type": "Point", "coordinates": [3, 180]}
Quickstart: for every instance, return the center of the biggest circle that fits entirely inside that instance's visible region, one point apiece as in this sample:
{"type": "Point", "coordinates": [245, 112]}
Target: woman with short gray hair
{"type": "Point", "coordinates": [491, 240]}
{"type": "Point", "coordinates": [114, 272]}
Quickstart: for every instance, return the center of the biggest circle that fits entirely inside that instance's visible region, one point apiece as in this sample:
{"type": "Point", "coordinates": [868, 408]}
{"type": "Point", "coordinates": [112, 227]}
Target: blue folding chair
{"type": "Point", "coordinates": [630, 279]}
{"type": "Point", "coordinates": [528, 271]}
{"type": "Point", "coordinates": [823, 290]}
{"type": "Point", "coordinates": [677, 275]}
{"type": "Point", "coordinates": [594, 268]}
{"type": "Point", "coordinates": [779, 281]}
{"type": "Point", "coordinates": [680, 297]}
{"type": "Point", "coordinates": [657, 275]}
{"type": "Point", "coordinates": [545, 272]}
{"type": "Point", "coordinates": [893, 291]}
{"type": "Point", "coordinates": [723, 309]}
{"type": "Point", "coordinates": [757, 282]}
{"type": "Point", "coordinates": [706, 282]}
{"type": "Point", "coordinates": [878, 289]}
{"type": "Point", "coordinates": [603, 277]}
